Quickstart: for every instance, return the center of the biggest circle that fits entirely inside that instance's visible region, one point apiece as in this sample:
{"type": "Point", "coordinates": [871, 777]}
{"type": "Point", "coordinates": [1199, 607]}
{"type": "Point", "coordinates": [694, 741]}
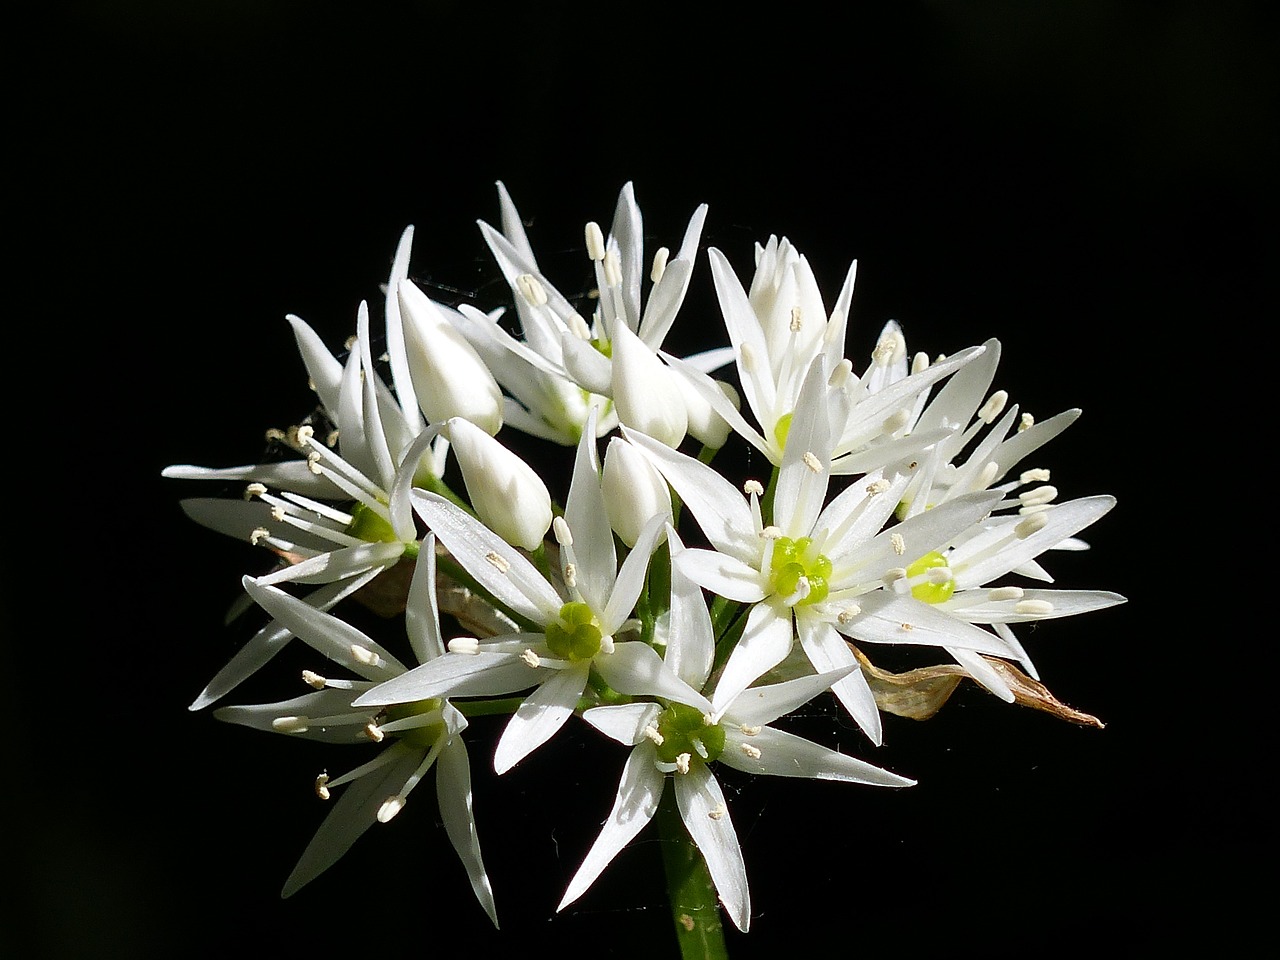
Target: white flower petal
{"type": "Point", "coordinates": [690, 638]}
{"type": "Point", "coordinates": [827, 650]}
{"type": "Point", "coordinates": [481, 674]}
{"type": "Point", "coordinates": [624, 722]}
{"type": "Point", "coordinates": [722, 574]}
{"type": "Point", "coordinates": [543, 713]}
{"type": "Point", "coordinates": [318, 703]}
{"type": "Point", "coordinates": [706, 817]}
{"type": "Point", "coordinates": [634, 668]}
{"type": "Point", "coordinates": [338, 564]}
{"type": "Point", "coordinates": [782, 754]}
{"type": "Point", "coordinates": [453, 793]}
{"type": "Point", "coordinates": [765, 643]}
{"type": "Point", "coordinates": [588, 520]}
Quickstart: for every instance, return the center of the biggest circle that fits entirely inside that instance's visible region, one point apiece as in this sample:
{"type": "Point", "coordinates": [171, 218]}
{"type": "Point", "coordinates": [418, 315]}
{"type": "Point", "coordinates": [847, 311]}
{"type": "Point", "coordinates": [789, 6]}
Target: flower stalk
{"type": "Point", "coordinates": [691, 893]}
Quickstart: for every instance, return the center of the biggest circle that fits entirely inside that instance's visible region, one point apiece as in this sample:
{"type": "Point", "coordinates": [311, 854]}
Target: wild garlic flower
{"type": "Point", "coordinates": [573, 626]}
{"type": "Point", "coordinates": [679, 740]}
{"type": "Point", "coordinates": [415, 737]}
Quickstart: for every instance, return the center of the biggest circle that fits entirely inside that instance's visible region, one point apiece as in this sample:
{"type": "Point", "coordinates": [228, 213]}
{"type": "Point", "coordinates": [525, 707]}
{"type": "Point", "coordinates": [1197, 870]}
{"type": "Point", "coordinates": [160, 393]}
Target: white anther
{"type": "Point", "coordinates": [1035, 508]}
{"type": "Point", "coordinates": [651, 732]}
{"type": "Point", "coordinates": [364, 655]}
{"type": "Point", "coordinates": [1033, 608]}
{"type": "Point", "coordinates": [899, 545]}
{"type": "Point", "coordinates": [812, 462]}
{"type": "Point", "coordinates": [466, 645]}
{"type": "Point", "coordinates": [1026, 422]}
{"type": "Point", "coordinates": [595, 241]}
{"type": "Point", "coordinates": [331, 438]}
{"type": "Point", "coordinates": [719, 812]}
{"type": "Point", "coordinates": [748, 357]}
{"type": "Point", "coordinates": [906, 626]}
{"type": "Point", "coordinates": [920, 363]}
{"type": "Point", "coordinates": [570, 575]}
{"type": "Point", "coordinates": [498, 561]}
{"type": "Point", "coordinates": [390, 807]}
{"type": "Point", "coordinates": [659, 264]}
{"type": "Point", "coordinates": [1037, 475]}
{"type": "Point", "coordinates": [986, 476]}
{"type": "Point", "coordinates": [254, 490]}
{"type": "Point", "coordinates": [841, 374]}
{"type": "Point", "coordinates": [878, 486]}
{"type": "Point", "coordinates": [275, 435]}
{"type": "Point", "coordinates": [290, 724]}
{"type": "Point", "coordinates": [313, 680]}
{"type": "Point", "coordinates": [322, 786]}
{"type": "Point", "coordinates": [1043, 494]}
{"type": "Point", "coordinates": [612, 272]}
{"type": "Point", "coordinates": [373, 732]}
{"type": "Point", "coordinates": [893, 575]}
{"type": "Point", "coordinates": [750, 751]}
{"type": "Point", "coordinates": [749, 730]}
{"type": "Point", "coordinates": [796, 320]}
{"type": "Point", "coordinates": [682, 763]}
{"type": "Point", "coordinates": [993, 407]}
{"type": "Point", "coordinates": [531, 658]}
{"type": "Point", "coordinates": [578, 327]}
{"type": "Point", "coordinates": [848, 613]}
{"type": "Point", "coordinates": [1005, 593]}
{"type": "Point", "coordinates": [939, 575]}
{"type": "Point", "coordinates": [896, 421]}
{"type": "Point", "coordinates": [304, 434]}
{"type": "Point", "coordinates": [753, 488]}
{"type": "Point", "coordinates": [564, 536]}
{"type": "Point", "coordinates": [277, 513]}
{"type": "Point", "coordinates": [313, 463]}
{"type": "Point", "coordinates": [258, 534]}
{"type": "Point", "coordinates": [770, 533]}
{"type": "Point", "coordinates": [606, 644]}
{"type": "Point", "coordinates": [1031, 524]}
{"type": "Point", "coordinates": [531, 289]}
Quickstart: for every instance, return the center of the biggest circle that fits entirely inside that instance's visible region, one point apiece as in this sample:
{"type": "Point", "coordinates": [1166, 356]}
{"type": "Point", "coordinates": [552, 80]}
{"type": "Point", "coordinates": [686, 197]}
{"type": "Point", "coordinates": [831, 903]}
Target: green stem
{"type": "Point", "coordinates": [695, 911]}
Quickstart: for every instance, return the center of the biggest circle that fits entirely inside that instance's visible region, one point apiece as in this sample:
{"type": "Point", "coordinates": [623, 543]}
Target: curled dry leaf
{"type": "Point", "coordinates": [920, 693]}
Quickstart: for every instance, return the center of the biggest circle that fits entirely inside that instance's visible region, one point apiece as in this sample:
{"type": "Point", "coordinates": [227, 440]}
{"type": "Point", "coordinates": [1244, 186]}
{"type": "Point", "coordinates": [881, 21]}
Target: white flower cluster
{"type": "Point", "coordinates": [896, 510]}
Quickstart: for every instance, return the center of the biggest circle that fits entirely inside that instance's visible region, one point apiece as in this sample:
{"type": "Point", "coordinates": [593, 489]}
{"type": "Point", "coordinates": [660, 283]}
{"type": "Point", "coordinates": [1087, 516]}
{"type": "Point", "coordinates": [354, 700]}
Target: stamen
{"type": "Point", "coordinates": [1036, 475]}
{"type": "Point", "coordinates": [606, 644]}
{"type": "Point", "coordinates": [749, 730]}
{"type": "Point", "coordinates": [985, 477]}
{"type": "Point", "coordinates": [878, 486]}
{"type": "Point", "coordinates": [906, 626]}
{"type": "Point", "coordinates": [468, 645]}
{"type": "Point", "coordinates": [848, 613]}
{"type": "Point", "coordinates": [841, 374]}
{"type": "Point", "coordinates": [498, 561]}
{"type": "Point", "coordinates": [1005, 593]}
{"type": "Point", "coordinates": [322, 786]}
{"type": "Point", "coordinates": [331, 439]}
{"type": "Point", "coordinates": [595, 241]}
{"type": "Point", "coordinates": [938, 575]}
{"type": "Point", "coordinates": [748, 357]}
{"type": "Point", "coordinates": [891, 345]}
{"type": "Point", "coordinates": [1026, 422]}
{"type": "Point", "coordinates": [531, 289]}
{"type": "Point", "coordinates": [753, 488]}
{"type": "Point", "coordinates": [1033, 608]}
{"type": "Point", "coordinates": [896, 421]}
{"type": "Point", "coordinates": [390, 807]}
{"type": "Point", "coordinates": [1030, 525]}
{"type": "Point", "coordinates": [719, 812]}
{"type": "Point", "coordinates": [682, 763]}
{"type": "Point", "coordinates": [277, 513]}
{"type": "Point", "coordinates": [313, 463]}
{"type": "Point", "coordinates": [254, 490]}
{"type": "Point", "coordinates": [570, 575]}
{"type": "Point", "coordinates": [564, 536]}
{"type": "Point", "coordinates": [579, 327]}
{"type": "Point", "coordinates": [893, 575]}
{"type": "Point", "coordinates": [531, 659]}
{"type": "Point", "coordinates": [1039, 495]}
{"type": "Point", "coordinates": [750, 751]}
{"type": "Point", "coordinates": [313, 680]}
{"type": "Point", "coordinates": [258, 534]}
{"type": "Point", "coordinates": [291, 724]}
{"type": "Point", "coordinates": [1034, 508]}
{"type": "Point", "coordinates": [659, 264]}
{"type": "Point", "coordinates": [612, 272]}
{"type": "Point", "coordinates": [812, 462]}
{"type": "Point", "coordinates": [365, 655]}
{"type": "Point", "coordinates": [993, 407]}
{"type": "Point", "coordinates": [899, 545]}
{"type": "Point", "coordinates": [920, 363]}
{"type": "Point", "coordinates": [771, 532]}
{"type": "Point", "coordinates": [304, 434]}
{"type": "Point", "coordinates": [652, 733]}
{"type": "Point", "coordinates": [796, 321]}
{"type": "Point", "coordinates": [372, 731]}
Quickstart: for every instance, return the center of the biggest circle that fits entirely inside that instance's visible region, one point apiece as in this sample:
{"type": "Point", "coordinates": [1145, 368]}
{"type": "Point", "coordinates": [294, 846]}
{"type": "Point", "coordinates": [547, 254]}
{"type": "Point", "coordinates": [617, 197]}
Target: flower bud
{"type": "Point", "coordinates": [705, 425]}
{"type": "Point", "coordinates": [510, 499]}
{"type": "Point", "coordinates": [634, 492]}
{"type": "Point", "coordinates": [449, 377]}
{"type": "Point", "coordinates": [644, 392]}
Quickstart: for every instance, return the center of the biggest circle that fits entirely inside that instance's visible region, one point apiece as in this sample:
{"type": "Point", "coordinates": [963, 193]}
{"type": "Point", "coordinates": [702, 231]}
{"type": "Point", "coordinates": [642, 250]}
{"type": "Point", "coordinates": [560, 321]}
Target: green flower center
{"type": "Point", "coordinates": [685, 729]}
{"type": "Point", "coordinates": [603, 346]}
{"type": "Point", "coordinates": [782, 429]}
{"type": "Point", "coordinates": [928, 590]}
{"type": "Point", "coordinates": [576, 635]}
{"type": "Point", "coordinates": [369, 527]}
{"type": "Point", "coordinates": [424, 737]}
{"type": "Point", "coordinates": [793, 559]}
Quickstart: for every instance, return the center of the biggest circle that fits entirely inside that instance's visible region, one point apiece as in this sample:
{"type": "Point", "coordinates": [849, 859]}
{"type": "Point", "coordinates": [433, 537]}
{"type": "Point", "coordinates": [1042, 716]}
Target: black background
{"type": "Point", "coordinates": [1087, 181]}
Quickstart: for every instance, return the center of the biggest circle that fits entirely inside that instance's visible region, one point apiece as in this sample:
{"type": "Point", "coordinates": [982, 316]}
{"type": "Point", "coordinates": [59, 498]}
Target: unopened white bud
{"type": "Point", "coordinates": [644, 391]}
{"type": "Point", "coordinates": [508, 496]}
{"type": "Point", "coordinates": [633, 490]}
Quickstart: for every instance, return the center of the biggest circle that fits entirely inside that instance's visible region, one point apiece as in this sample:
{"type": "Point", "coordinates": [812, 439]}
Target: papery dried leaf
{"type": "Point", "coordinates": [919, 694]}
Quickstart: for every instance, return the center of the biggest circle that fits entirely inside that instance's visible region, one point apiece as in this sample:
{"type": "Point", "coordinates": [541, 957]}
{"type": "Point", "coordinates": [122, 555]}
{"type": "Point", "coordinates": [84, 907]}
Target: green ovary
{"type": "Point", "coordinates": [685, 729]}
{"type": "Point", "coordinates": [424, 737]}
{"type": "Point", "coordinates": [782, 429]}
{"type": "Point", "coordinates": [576, 635]}
{"type": "Point", "coordinates": [927, 590]}
{"type": "Point", "coordinates": [793, 559]}
{"type": "Point", "coordinates": [603, 346]}
{"type": "Point", "coordinates": [369, 527]}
